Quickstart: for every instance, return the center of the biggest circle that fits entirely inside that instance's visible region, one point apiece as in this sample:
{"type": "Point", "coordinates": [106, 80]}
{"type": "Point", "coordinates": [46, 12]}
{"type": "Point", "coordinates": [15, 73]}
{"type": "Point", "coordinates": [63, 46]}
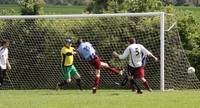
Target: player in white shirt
{"type": "Point", "coordinates": [4, 63]}
{"type": "Point", "coordinates": [137, 57]}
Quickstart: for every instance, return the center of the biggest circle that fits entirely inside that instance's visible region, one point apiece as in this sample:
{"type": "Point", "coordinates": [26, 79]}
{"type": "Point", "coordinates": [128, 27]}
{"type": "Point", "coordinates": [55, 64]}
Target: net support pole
{"type": "Point", "coordinates": [162, 41]}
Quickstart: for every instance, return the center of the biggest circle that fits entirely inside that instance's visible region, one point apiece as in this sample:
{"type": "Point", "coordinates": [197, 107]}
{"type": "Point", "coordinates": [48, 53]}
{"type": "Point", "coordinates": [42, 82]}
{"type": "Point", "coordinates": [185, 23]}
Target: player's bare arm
{"type": "Point", "coordinates": [123, 56]}
{"type": "Point", "coordinates": [115, 54]}
{"type": "Point", "coordinates": [8, 64]}
{"type": "Point", "coordinates": [155, 58]}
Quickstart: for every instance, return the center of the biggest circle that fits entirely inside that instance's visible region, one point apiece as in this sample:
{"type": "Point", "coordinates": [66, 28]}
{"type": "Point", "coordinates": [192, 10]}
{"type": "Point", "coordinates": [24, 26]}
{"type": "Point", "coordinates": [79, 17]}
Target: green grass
{"type": "Point", "coordinates": [9, 7]}
{"type": "Point", "coordinates": [195, 10]}
{"type": "Point", "coordinates": [103, 99]}
{"type": "Point", "coordinates": [50, 9]}
{"type": "Point", "coordinates": [2, 6]}
{"type": "Point", "coordinates": [61, 9]}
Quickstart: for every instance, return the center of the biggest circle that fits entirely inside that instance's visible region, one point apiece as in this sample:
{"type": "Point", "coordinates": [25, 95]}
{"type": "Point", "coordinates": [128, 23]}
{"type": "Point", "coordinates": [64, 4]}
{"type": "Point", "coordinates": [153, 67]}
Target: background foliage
{"type": "Point", "coordinates": [187, 24]}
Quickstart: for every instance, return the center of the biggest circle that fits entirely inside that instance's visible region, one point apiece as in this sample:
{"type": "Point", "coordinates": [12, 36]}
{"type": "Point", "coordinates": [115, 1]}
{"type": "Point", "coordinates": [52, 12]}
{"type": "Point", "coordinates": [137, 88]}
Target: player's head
{"type": "Point", "coordinates": [132, 41]}
{"type": "Point", "coordinates": [79, 41]}
{"type": "Point", "coordinates": [68, 42]}
{"type": "Point", "coordinates": [5, 43]}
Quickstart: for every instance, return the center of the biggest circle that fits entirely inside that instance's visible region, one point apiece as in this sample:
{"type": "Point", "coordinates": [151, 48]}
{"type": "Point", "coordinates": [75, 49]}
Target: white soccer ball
{"type": "Point", "coordinates": [191, 70]}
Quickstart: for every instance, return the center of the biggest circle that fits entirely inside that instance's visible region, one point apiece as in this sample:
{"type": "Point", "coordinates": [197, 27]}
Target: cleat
{"type": "Point", "coordinates": [57, 86]}
{"type": "Point", "coordinates": [94, 90]}
{"type": "Point", "coordinates": [139, 92]}
{"type": "Point", "coordinates": [150, 90]}
{"type": "Point", "coordinates": [133, 90]}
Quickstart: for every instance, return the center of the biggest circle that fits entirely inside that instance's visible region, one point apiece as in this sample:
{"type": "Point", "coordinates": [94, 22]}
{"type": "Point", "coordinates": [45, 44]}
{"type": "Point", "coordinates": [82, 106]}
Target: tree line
{"type": "Point", "coordinates": [56, 2]}
{"type": "Point", "coordinates": [86, 2]}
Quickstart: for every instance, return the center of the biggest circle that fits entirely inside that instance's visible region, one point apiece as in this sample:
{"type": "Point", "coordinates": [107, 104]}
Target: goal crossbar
{"type": "Point", "coordinates": [81, 15]}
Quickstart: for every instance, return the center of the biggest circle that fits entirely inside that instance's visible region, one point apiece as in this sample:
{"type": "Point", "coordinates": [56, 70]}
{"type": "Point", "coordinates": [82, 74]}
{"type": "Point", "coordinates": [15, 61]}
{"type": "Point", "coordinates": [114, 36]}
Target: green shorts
{"type": "Point", "coordinates": [70, 71]}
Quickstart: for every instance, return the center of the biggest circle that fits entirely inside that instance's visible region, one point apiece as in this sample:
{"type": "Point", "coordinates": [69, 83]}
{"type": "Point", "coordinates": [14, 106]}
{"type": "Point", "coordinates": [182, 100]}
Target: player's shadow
{"type": "Point", "coordinates": [114, 94]}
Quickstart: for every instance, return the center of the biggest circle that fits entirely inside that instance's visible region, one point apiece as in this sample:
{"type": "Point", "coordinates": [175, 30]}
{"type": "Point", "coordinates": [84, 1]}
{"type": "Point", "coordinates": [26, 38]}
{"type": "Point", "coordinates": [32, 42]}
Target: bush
{"type": "Point", "coordinates": [31, 7]}
{"type": "Point", "coordinates": [188, 28]}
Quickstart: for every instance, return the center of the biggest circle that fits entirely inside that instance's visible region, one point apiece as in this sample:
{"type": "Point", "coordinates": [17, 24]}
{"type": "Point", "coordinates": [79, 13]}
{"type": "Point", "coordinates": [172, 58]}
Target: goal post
{"type": "Point", "coordinates": [38, 39]}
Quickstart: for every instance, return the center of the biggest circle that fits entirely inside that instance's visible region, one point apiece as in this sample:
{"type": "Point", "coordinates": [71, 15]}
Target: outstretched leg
{"type": "Point", "coordinates": [111, 68]}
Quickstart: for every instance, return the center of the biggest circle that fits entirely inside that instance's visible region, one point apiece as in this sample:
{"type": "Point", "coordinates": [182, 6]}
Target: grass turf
{"type": "Point", "coordinates": [103, 99]}
{"type": "Point", "coordinates": [49, 9]}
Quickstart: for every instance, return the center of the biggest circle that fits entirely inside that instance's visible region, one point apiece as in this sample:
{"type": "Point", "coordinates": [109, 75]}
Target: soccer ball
{"type": "Point", "coordinates": [191, 70]}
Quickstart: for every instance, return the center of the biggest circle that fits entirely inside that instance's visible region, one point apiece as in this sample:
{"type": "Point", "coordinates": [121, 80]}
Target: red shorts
{"type": "Point", "coordinates": [137, 72]}
{"type": "Point", "coordinates": [140, 72]}
{"type": "Point", "coordinates": [96, 62]}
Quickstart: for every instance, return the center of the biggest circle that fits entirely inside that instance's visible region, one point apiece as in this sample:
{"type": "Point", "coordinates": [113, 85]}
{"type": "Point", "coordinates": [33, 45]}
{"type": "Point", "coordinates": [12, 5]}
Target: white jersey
{"type": "Point", "coordinates": [3, 57]}
{"type": "Point", "coordinates": [86, 50]}
{"type": "Point", "coordinates": [137, 54]}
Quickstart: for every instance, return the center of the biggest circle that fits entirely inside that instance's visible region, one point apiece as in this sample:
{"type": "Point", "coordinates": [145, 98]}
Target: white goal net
{"type": "Point", "coordinates": [36, 42]}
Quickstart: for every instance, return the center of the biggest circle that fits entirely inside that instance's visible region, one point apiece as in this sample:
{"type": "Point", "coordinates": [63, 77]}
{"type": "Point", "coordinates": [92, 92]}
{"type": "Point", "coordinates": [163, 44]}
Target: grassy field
{"type": "Point", "coordinates": [62, 9]}
{"type": "Point", "coordinates": [103, 99]}
{"type": "Point", "coordinates": [50, 9]}
{"type": "Point", "coordinates": [195, 10]}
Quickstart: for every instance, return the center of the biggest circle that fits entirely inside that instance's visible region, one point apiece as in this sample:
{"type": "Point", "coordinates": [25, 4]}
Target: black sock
{"type": "Point", "coordinates": [1, 80]}
{"type": "Point", "coordinates": [62, 83]}
{"type": "Point", "coordinates": [124, 81]}
{"type": "Point", "coordinates": [78, 82]}
{"type": "Point", "coordinates": [134, 85]}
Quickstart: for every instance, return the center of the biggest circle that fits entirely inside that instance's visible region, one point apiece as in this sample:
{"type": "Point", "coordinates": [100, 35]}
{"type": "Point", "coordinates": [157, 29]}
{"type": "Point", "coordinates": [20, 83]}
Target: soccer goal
{"type": "Point", "coordinates": [36, 42]}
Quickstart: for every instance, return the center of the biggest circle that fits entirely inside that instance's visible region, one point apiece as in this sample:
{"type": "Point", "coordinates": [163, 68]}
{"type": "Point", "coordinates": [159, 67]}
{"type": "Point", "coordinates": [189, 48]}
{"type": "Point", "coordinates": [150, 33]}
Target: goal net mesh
{"type": "Point", "coordinates": [36, 43]}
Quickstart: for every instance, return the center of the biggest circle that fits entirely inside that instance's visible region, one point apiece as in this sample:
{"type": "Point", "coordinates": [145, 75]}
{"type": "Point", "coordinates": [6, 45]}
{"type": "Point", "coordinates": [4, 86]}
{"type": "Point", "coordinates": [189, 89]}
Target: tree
{"type": "Point", "coordinates": [187, 25]}
{"type": "Point", "coordinates": [31, 7]}
{"type": "Point", "coordinates": [188, 28]}
{"type": "Point", "coordinates": [115, 6]}
{"type": "Point", "coordinates": [97, 6]}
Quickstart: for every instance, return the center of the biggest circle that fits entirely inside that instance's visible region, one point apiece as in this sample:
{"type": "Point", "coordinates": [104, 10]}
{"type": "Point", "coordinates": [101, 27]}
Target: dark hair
{"type": "Point", "coordinates": [132, 40]}
{"type": "Point", "coordinates": [4, 42]}
{"type": "Point", "coordinates": [79, 41]}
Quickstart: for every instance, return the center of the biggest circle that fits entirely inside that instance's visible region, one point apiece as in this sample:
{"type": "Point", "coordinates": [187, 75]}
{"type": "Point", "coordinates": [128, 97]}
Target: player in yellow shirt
{"type": "Point", "coordinates": [67, 58]}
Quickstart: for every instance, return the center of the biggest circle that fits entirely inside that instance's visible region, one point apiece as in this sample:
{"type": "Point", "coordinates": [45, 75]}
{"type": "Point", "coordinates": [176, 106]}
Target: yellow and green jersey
{"type": "Point", "coordinates": [67, 57]}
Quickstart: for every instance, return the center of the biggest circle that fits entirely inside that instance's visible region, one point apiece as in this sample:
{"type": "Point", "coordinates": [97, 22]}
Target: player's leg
{"type": "Point", "coordinates": [125, 80]}
{"type": "Point", "coordinates": [96, 63]}
{"type": "Point", "coordinates": [111, 68]}
{"type": "Point", "coordinates": [132, 75]}
{"type": "Point", "coordinates": [67, 75]}
{"type": "Point", "coordinates": [146, 84]}
{"type": "Point", "coordinates": [2, 74]}
{"type": "Point", "coordinates": [141, 76]}
{"type": "Point", "coordinates": [77, 76]}
{"type": "Point", "coordinates": [97, 81]}
{"type": "Point", "coordinates": [135, 85]}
